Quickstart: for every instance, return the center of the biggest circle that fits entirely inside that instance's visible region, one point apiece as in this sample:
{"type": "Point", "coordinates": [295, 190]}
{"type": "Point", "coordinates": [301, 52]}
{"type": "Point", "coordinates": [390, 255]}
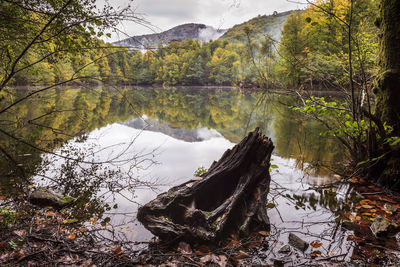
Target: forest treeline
{"type": "Point", "coordinates": [185, 63]}
{"type": "Point", "coordinates": [313, 52]}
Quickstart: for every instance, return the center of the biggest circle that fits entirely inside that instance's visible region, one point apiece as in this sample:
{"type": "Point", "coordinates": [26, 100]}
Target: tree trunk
{"type": "Point", "coordinates": [229, 198]}
{"type": "Point", "coordinates": [387, 91]}
{"type": "Point", "coordinates": [387, 87]}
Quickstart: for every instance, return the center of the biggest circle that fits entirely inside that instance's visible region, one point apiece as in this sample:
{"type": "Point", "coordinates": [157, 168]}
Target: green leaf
{"type": "Point", "coordinates": [108, 35]}
{"type": "Point", "coordinates": [273, 166]}
{"type": "Point", "coordinates": [396, 141]}
{"type": "Point", "coordinates": [270, 205]}
{"type": "Point", "coordinates": [362, 162]}
{"type": "Point", "coordinates": [314, 23]}
{"type": "Point", "coordinates": [308, 19]}
{"type": "Point", "coordinates": [69, 221]}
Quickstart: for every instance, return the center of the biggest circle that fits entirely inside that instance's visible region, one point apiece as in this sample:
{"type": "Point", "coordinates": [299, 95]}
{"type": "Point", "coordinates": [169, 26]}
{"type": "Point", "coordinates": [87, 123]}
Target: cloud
{"type": "Point", "coordinates": [220, 14]}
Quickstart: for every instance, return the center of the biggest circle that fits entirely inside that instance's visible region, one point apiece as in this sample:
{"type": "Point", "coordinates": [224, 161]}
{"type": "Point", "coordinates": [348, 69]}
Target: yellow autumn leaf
{"type": "Point", "coordinates": [366, 206]}
{"type": "Point", "coordinates": [388, 211]}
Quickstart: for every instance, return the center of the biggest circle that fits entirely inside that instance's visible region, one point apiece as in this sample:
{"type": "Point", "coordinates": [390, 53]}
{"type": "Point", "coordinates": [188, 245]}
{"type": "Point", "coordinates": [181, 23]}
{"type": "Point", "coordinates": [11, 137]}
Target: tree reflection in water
{"type": "Point", "coordinates": [106, 161]}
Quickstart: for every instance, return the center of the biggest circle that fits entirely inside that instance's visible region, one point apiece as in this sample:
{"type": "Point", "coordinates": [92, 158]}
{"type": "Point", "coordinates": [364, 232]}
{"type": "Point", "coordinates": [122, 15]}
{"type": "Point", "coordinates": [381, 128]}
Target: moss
{"type": "Point", "coordinates": [67, 199]}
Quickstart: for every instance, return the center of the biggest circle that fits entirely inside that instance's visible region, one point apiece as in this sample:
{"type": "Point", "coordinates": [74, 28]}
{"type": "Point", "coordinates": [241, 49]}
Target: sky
{"type": "Point", "coordinates": [221, 14]}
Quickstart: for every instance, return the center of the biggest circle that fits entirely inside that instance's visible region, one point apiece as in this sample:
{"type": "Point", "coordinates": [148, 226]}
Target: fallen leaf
{"type": "Point", "coordinates": [242, 255]}
{"type": "Point", "coordinates": [69, 221]}
{"type": "Point", "coordinates": [20, 253]}
{"type": "Point", "coordinates": [71, 236]}
{"type": "Point", "coordinates": [82, 230]}
{"type": "Point", "coordinates": [20, 233]}
{"type": "Point", "coordinates": [316, 244]}
{"type": "Point", "coordinates": [2, 198]}
{"type": "Point", "coordinates": [256, 243]}
{"type": "Point", "coordinates": [387, 211]}
{"type": "Point", "coordinates": [366, 214]}
{"type": "Point", "coordinates": [353, 180]}
{"type": "Point", "coordinates": [184, 248]}
{"type": "Point", "coordinates": [5, 256]}
{"type": "Point", "coordinates": [366, 206]}
{"type": "Point", "coordinates": [50, 214]}
{"type": "Point", "coordinates": [233, 244]}
{"type": "Point", "coordinates": [203, 249]}
{"type": "Point", "coordinates": [353, 216]}
{"type": "Point", "coordinates": [264, 233]}
{"type": "Point", "coordinates": [383, 198]}
{"type": "Point", "coordinates": [221, 260]}
{"type": "Point", "coordinates": [87, 263]}
{"type": "Point", "coordinates": [315, 253]}
{"type": "Point", "coordinates": [116, 249]}
{"type": "Point", "coordinates": [93, 220]}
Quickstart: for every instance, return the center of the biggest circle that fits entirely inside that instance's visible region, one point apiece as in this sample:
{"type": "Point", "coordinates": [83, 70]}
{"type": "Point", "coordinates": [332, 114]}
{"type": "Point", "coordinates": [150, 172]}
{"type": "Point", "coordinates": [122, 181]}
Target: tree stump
{"type": "Point", "coordinates": [230, 198]}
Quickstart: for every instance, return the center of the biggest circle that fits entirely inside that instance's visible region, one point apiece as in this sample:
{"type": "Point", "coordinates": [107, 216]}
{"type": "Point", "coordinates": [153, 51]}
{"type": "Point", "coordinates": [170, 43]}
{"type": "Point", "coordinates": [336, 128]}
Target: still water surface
{"type": "Point", "coordinates": [156, 138]}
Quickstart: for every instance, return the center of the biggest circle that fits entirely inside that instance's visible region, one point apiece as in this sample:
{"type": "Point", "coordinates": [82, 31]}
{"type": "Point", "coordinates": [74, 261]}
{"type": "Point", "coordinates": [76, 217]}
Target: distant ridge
{"type": "Point", "coordinates": [178, 33]}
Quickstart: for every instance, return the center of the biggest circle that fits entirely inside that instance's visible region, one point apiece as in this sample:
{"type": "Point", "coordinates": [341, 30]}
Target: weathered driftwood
{"type": "Point", "coordinates": [229, 198]}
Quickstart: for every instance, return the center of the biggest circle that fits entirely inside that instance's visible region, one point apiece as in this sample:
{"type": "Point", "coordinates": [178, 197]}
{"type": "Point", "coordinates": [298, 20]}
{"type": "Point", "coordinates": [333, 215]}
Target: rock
{"type": "Point", "coordinates": [297, 242]}
{"type": "Point", "coordinates": [46, 197]}
{"type": "Point", "coordinates": [389, 207]}
{"type": "Point", "coordinates": [285, 249]}
{"type": "Point", "coordinates": [380, 225]}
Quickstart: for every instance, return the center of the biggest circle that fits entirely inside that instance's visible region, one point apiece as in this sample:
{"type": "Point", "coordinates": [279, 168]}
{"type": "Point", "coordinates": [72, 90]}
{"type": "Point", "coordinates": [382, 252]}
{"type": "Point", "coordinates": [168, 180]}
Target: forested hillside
{"type": "Point", "coordinates": [313, 53]}
{"type": "Point", "coordinates": [316, 43]}
{"type": "Point", "coordinates": [260, 26]}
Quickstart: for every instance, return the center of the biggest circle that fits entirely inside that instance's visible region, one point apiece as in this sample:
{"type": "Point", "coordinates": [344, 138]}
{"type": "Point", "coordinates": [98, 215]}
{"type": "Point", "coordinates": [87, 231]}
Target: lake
{"type": "Point", "coordinates": [134, 143]}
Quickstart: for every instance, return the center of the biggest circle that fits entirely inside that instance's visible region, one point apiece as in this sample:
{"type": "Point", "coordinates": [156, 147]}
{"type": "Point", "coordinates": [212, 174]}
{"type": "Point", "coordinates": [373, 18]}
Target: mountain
{"type": "Point", "coordinates": [260, 26]}
{"type": "Point", "coordinates": [178, 33]}
{"type": "Point", "coordinates": [192, 135]}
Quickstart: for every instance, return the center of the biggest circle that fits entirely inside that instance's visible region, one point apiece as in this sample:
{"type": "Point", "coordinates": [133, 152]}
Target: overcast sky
{"type": "Point", "coordinates": [221, 14]}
